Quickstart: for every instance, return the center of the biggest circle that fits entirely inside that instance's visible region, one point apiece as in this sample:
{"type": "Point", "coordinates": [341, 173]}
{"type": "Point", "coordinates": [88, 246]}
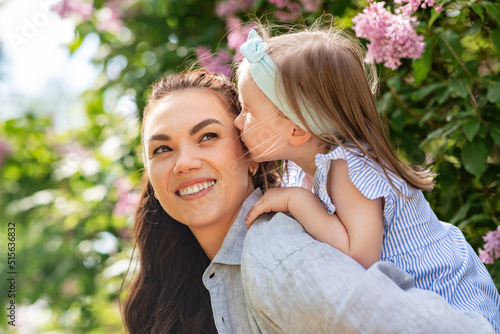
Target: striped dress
{"type": "Point", "coordinates": [436, 254]}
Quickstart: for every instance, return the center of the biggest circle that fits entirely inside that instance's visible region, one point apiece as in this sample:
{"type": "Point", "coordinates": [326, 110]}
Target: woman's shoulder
{"type": "Point", "coordinates": [273, 237]}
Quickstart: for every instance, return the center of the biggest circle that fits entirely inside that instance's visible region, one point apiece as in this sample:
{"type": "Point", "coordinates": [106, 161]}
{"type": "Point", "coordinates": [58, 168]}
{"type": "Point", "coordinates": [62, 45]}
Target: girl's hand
{"type": "Point", "coordinates": [273, 200]}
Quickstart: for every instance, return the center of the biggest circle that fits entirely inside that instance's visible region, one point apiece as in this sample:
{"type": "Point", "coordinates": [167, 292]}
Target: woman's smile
{"type": "Point", "coordinates": [195, 188]}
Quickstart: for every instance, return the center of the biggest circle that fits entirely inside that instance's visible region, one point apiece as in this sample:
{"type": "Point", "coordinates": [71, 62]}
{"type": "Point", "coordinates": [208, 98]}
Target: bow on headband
{"type": "Point", "coordinates": [264, 72]}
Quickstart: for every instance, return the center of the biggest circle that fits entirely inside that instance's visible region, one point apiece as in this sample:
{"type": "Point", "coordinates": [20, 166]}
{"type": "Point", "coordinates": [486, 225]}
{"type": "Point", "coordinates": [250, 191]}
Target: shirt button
{"type": "Point", "coordinates": [212, 275]}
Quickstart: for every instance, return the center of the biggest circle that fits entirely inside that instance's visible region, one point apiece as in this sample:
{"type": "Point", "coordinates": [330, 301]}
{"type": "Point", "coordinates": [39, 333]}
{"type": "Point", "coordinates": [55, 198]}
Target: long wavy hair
{"type": "Point", "coordinates": [168, 295]}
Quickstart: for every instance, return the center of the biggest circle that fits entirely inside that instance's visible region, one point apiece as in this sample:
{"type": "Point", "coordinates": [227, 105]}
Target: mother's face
{"type": "Point", "coordinates": [195, 159]}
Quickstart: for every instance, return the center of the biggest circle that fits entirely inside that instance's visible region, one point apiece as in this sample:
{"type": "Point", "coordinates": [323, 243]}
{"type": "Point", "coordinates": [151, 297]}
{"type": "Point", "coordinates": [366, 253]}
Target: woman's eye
{"type": "Point", "coordinates": [208, 136]}
{"type": "Point", "coordinates": [162, 149]}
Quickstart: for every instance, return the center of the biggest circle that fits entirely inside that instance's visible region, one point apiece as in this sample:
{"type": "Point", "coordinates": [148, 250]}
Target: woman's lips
{"type": "Point", "coordinates": [195, 188]}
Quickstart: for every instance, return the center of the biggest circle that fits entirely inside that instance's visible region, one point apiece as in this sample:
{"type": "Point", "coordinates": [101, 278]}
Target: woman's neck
{"type": "Point", "coordinates": [211, 238]}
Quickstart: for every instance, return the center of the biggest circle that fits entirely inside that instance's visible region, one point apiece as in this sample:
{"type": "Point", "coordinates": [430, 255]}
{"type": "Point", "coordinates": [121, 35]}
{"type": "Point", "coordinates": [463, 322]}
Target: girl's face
{"type": "Point", "coordinates": [195, 160]}
{"type": "Point", "coordinates": [263, 129]}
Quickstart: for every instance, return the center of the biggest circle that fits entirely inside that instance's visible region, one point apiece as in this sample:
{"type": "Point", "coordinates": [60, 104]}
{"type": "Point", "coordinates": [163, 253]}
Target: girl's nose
{"type": "Point", "coordinates": [239, 120]}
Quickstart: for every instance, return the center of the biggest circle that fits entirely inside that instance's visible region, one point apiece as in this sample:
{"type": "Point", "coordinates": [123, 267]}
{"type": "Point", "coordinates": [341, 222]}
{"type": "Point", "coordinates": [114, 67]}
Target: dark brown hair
{"type": "Point", "coordinates": [168, 295]}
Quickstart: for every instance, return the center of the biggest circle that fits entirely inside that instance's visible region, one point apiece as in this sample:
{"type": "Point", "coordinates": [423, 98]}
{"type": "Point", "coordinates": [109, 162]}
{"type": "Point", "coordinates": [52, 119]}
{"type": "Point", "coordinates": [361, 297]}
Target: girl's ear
{"type": "Point", "coordinates": [298, 136]}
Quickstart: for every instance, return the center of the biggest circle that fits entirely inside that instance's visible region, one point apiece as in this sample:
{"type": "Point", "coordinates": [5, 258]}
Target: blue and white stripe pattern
{"type": "Point", "coordinates": [435, 253]}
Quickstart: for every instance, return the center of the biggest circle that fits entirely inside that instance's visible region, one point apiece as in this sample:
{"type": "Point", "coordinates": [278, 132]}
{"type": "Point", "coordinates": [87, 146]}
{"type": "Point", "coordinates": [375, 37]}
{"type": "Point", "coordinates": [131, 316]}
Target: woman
{"type": "Point", "coordinates": [197, 168]}
{"type": "Point", "coordinates": [198, 271]}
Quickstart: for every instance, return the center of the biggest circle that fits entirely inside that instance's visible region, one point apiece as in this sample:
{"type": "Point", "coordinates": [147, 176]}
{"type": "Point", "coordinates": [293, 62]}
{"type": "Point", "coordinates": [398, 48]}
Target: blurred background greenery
{"type": "Point", "coordinates": [69, 179]}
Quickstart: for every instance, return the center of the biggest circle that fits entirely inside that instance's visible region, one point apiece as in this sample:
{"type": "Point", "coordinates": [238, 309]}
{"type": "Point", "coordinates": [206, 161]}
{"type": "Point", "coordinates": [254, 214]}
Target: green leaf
{"type": "Point", "coordinates": [443, 95]}
{"type": "Point", "coordinates": [459, 87]}
{"type": "Point", "coordinates": [474, 155]}
{"type": "Point", "coordinates": [449, 44]}
{"type": "Point", "coordinates": [494, 93]}
{"type": "Point", "coordinates": [422, 66]}
{"type": "Point", "coordinates": [474, 29]}
{"type": "Point", "coordinates": [423, 92]}
{"type": "Point", "coordinates": [471, 128]}
{"type": "Point", "coordinates": [495, 38]}
{"type": "Point", "coordinates": [495, 134]}
{"type": "Point", "coordinates": [492, 9]}
{"type": "Point", "coordinates": [434, 16]}
{"type": "Point", "coordinates": [478, 10]}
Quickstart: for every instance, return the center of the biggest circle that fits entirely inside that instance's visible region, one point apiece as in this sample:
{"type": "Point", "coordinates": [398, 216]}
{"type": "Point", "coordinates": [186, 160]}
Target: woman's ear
{"type": "Point", "coordinates": [253, 168]}
{"type": "Point", "coordinates": [298, 136]}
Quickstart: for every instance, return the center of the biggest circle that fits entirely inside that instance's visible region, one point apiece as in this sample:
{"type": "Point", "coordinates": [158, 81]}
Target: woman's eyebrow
{"type": "Point", "coordinates": [159, 136]}
{"type": "Point", "coordinates": [203, 124]}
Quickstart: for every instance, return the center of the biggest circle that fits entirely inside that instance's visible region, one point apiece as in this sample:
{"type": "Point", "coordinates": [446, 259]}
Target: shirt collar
{"type": "Point", "coordinates": [230, 252]}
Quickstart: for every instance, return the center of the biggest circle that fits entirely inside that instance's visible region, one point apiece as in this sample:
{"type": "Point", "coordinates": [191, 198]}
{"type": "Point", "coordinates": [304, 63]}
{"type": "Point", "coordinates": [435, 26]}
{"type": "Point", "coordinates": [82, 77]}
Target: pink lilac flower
{"type": "Point", "coordinates": [127, 198]}
{"type": "Point", "coordinates": [229, 8]}
{"type": "Point", "coordinates": [279, 3]}
{"type": "Point", "coordinates": [286, 16]}
{"type": "Point", "coordinates": [486, 256]}
{"type": "Point", "coordinates": [413, 5]}
{"type": "Point", "coordinates": [110, 19]}
{"type": "Point", "coordinates": [311, 5]}
{"type": "Point", "coordinates": [237, 35]}
{"type": "Point", "coordinates": [491, 249]}
{"type": "Point", "coordinates": [67, 7]}
{"type": "Point", "coordinates": [5, 151]}
{"type": "Point", "coordinates": [291, 10]}
{"type": "Point", "coordinates": [218, 63]}
{"type": "Point", "coordinates": [391, 36]}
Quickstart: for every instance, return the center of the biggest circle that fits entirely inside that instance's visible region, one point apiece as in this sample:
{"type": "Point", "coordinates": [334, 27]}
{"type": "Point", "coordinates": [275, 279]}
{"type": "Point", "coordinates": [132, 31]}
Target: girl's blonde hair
{"type": "Point", "coordinates": [326, 65]}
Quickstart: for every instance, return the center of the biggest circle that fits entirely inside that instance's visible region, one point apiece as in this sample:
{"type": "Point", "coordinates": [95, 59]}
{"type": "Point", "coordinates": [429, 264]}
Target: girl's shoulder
{"type": "Point", "coordinates": [357, 160]}
{"type": "Point", "coordinates": [367, 175]}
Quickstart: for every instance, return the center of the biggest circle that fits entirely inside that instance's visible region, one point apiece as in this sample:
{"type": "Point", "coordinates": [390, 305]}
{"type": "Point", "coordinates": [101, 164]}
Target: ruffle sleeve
{"type": "Point", "coordinates": [365, 174]}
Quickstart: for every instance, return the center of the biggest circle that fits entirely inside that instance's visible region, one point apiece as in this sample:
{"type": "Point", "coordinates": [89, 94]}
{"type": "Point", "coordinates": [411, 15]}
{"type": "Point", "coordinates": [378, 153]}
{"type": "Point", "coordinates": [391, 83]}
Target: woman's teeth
{"type": "Point", "coordinates": [196, 188]}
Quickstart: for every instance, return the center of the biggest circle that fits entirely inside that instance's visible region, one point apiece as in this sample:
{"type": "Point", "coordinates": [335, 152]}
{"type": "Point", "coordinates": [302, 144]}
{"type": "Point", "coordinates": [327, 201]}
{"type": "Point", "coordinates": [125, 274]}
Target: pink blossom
{"type": "Point", "coordinates": [279, 3]}
{"type": "Point", "coordinates": [291, 10]}
{"type": "Point", "coordinates": [110, 17]}
{"type": "Point", "coordinates": [294, 6]}
{"type": "Point", "coordinates": [391, 36]}
{"type": "Point", "coordinates": [414, 5]}
{"type": "Point", "coordinates": [5, 151]}
{"type": "Point", "coordinates": [491, 249]}
{"type": "Point", "coordinates": [218, 63]}
{"type": "Point", "coordinates": [127, 198]}
{"type": "Point", "coordinates": [67, 7]}
{"type": "Point", "coordinates": [229, 8]}
{"type": "Point", "coordinates": [486, 256]}
{"type": "Point", "coordinates": [237, 35]}
{"type": "Point", "coordinates": [311, 5]}
{"type": "Point", "coordinates": [286, 16]}
{"type": "Point", "coordinates": [492, 239]}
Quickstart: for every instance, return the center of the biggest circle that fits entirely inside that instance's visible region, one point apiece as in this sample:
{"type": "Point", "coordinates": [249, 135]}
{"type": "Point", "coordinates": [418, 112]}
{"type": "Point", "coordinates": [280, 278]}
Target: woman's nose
{"type": "Point", "coordinates": [187, 161]}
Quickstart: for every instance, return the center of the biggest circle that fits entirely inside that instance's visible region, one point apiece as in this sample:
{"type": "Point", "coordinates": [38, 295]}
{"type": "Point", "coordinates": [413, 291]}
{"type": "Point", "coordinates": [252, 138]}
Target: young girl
{"type": "Point", "coordinates": [307, 99]}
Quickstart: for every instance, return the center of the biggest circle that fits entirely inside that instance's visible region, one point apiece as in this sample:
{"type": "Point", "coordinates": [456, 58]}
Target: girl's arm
{"type": "Point", "coordinates": [307, 209]}
{"type": "Point", "coordinates": [362, 217]}
{"type": "Point", "coordinates": [357, 227]}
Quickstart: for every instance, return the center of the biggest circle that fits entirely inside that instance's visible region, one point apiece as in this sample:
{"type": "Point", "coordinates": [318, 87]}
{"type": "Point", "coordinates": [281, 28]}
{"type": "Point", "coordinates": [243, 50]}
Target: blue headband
{"type": "Point", "coordinates": [264, 72]}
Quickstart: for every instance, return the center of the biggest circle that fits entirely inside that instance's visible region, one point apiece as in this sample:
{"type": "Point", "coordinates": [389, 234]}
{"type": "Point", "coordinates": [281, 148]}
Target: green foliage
{"type": "Point", "coordinates": [442, 108]}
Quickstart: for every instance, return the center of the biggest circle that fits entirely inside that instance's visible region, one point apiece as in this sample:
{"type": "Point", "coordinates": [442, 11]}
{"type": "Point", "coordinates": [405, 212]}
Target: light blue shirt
{"type": "Point", "coordinates": [275, 278]}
